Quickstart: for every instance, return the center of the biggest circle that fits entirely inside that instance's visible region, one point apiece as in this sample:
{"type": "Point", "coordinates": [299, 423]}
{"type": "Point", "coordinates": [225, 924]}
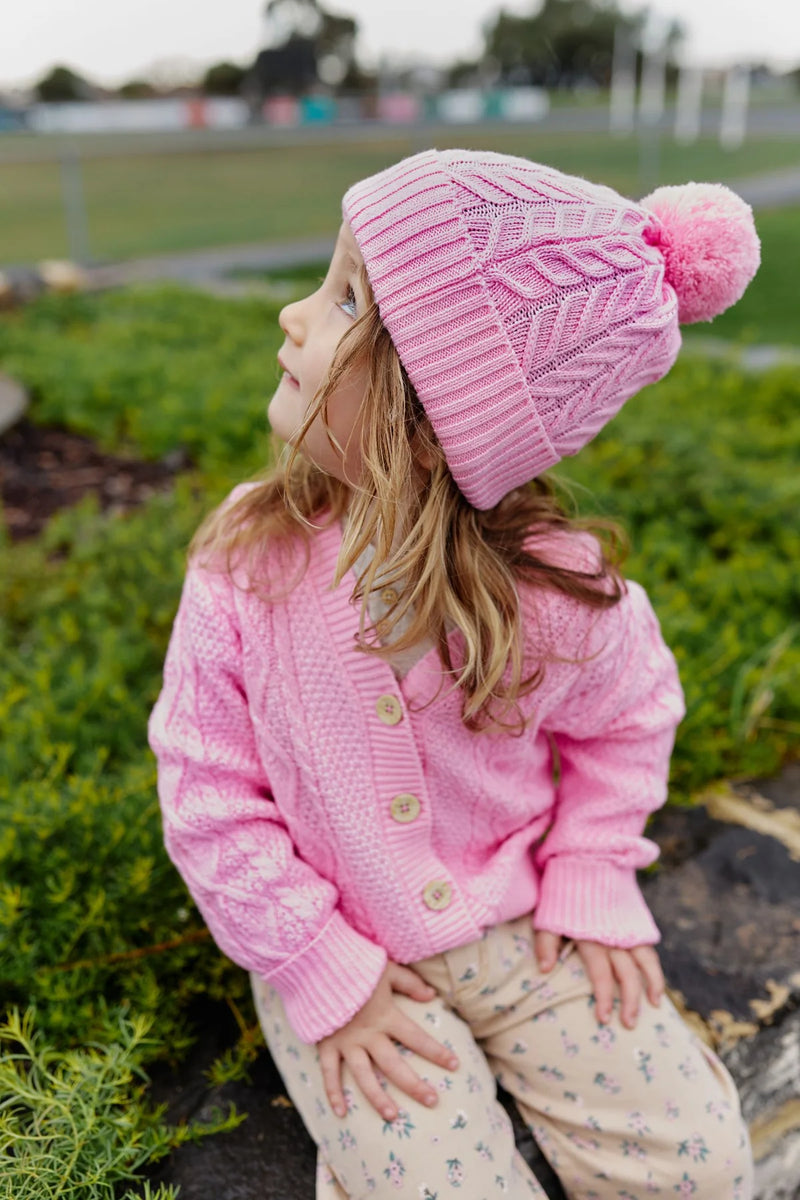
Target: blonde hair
{"type": "Point", "coordinates": [454, 563]}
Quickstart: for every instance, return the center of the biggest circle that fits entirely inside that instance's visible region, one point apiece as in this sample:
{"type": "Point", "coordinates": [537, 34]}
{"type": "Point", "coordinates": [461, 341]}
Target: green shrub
{"type": "Point", "coordinates": [95, 924]}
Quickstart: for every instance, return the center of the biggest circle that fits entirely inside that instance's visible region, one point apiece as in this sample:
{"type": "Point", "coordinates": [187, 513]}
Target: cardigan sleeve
{"type": "Point", "coordinates": [265, 907]}
{"type": "Point", "coordinates": [614, 729]}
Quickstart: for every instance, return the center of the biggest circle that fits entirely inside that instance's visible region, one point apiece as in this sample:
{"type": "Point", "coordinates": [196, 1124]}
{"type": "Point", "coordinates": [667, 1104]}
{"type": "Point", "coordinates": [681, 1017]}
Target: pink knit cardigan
{"type": "Point", "coordinates": [322, 822]}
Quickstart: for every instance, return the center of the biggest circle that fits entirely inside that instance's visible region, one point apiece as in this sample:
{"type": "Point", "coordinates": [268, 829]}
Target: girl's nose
{"type": "Point", "coordinates": [290, 319]}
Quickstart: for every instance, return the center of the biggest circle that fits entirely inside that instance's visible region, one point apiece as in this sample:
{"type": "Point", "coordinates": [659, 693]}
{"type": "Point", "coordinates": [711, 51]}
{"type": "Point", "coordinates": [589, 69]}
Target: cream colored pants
{"type": "Point", "coordinates": [619, 1113]}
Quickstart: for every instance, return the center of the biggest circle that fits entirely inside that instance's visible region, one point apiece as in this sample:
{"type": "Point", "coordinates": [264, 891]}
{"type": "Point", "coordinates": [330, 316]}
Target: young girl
{"type": "Point", "coordinates": [414, 719]}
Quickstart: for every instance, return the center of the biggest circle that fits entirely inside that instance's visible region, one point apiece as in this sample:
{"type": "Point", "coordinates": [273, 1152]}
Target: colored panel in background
{"type": "Point", "coordinates": [317, 110]}
{"type": "Point", "coordinates": [196, 113]}
{"type": "Point", "coordinates": [281, 110]}
{"type": "Point", "coordinates": [399, 108]}
{"type": "Point", "coordinates": [524, 104]}
{"type": "Point", "coordinates": [461, 107]}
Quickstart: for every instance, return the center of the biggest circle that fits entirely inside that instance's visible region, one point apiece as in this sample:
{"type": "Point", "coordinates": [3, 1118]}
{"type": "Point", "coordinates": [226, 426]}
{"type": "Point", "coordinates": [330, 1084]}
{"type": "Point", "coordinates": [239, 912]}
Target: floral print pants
{"type": "Point", "coordinates": [623, 1113]}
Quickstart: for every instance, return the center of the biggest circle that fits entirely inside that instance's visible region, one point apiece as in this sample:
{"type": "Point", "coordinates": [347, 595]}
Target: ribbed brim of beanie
{"type": "Point", "coordinates": [525, 306]}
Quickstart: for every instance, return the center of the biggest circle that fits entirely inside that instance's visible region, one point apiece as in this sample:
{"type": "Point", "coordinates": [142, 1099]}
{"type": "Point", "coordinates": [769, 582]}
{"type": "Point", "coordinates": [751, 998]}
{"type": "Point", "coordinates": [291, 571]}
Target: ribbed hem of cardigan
{"type": "Point", "coordinates": [595, 901]}
{"type": "Point", "coordinates": [433, 299]}
{"type": "Point", "coordinates": [328, 983]}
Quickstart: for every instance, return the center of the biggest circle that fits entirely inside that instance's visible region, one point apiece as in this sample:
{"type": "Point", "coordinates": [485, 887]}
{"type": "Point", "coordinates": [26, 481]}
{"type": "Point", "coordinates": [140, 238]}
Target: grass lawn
{"type": "Point", "coordinates": [154, 202]}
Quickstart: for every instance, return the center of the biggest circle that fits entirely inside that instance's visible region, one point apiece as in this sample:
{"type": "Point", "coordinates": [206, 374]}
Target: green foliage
{"type": "Point", "coordinates": [150, 370]}
{"type": "Point", "coordinates": [96, 929]}
{"type": "Point", "coordinates": [75, 1124]}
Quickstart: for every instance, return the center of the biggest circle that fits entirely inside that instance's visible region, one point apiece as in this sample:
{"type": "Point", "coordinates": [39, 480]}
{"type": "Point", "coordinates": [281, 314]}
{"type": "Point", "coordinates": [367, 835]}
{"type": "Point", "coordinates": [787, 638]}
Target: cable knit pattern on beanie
{"type": "Point", "coordinates": [524, 303]}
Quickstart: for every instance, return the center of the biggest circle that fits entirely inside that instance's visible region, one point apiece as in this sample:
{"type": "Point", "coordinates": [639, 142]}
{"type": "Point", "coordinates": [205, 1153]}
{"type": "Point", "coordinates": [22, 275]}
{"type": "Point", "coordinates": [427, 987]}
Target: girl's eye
{"type": "Point", "coordinates": [350, 301]}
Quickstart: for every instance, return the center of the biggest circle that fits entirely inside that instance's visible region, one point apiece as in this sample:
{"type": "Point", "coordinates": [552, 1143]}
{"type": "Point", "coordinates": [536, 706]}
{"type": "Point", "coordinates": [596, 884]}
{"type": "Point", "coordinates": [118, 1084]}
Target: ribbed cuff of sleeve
{"type": "Point", "coordinates": [328, 983]}
{"type": "Point", "coordinates": [595, 901]}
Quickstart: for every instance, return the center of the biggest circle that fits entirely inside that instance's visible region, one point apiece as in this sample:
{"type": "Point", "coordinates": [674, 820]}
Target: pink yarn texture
{"type": "Point", "coordinates": [526, 305]}
{"type": "Point", "coordinates": [711, 250]}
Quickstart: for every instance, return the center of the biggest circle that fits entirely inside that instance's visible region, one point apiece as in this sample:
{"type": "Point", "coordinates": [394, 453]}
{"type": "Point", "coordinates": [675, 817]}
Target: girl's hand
{"type": "Point", "coordinates": [603, 965]}
{"type": "Point", "coordinates": [368, 1041]}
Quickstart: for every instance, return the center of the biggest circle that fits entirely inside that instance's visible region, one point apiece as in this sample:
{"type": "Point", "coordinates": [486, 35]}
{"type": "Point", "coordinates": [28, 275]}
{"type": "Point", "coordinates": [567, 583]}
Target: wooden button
{"type": "Point", "coordinates": [437, 894]}
{"type": "Point", "coordinates": [389, 596]}
{"type": "Point", "coordinates": [405, 808]}
{"type": "Point", "coordinates": [389, 709]}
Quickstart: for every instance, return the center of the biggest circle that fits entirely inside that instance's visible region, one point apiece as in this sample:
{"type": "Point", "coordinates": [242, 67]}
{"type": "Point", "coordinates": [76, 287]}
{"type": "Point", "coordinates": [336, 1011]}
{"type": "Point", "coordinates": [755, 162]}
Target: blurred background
{"type": "Point", "coordinates": [143, 128]}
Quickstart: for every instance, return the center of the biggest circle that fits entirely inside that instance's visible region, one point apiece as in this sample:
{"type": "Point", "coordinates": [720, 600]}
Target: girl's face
{"type": "Point", "coordinates": [313, 328]}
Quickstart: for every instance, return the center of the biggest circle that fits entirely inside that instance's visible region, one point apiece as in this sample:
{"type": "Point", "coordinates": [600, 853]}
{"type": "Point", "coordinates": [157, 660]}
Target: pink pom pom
{"type": "Point", "coordinates": [710, 246]}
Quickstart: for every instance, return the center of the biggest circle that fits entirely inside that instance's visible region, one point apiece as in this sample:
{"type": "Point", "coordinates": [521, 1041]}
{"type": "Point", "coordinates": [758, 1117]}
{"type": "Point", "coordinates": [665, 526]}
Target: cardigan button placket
{"type": "Point", "coordinates": [437, 894]}
{"type": "Point", "coordinates": [389, 709]}
{"type": "Point", "coordinates": [405, 808]}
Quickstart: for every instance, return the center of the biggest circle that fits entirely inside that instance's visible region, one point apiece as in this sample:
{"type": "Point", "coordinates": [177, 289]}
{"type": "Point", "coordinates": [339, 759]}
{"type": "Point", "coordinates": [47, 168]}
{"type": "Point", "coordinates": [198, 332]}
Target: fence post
{"type": "Point", "coordinates": [75, 206]}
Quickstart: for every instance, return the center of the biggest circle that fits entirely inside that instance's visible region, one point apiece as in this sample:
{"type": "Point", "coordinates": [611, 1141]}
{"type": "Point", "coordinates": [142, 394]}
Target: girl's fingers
{"type": "Point", "coordinates": [547, 946]}
{"type": "Point", "coordinates": [630, 985]}
{"type": "Point", "coordinates": [410, 1034]}
{"type": "Point", "coordinates": [400, 1073]}
{"type": "Point", "coordinates": [598, 968]}
{"type": "Point", "coordinates": [403, 979]}
{"type": "Point", "coordinates": [332, 1079]}
{"type": "Point", "coordinates": [360, 1064]}
{"type": "Point", "coordinates": [649, 964]}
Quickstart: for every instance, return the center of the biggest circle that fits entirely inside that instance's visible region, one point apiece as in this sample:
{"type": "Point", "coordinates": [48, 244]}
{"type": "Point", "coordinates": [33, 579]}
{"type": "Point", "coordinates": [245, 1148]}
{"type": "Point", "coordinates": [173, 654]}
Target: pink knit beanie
{"type": "Point", "coordinates": [527, 305]}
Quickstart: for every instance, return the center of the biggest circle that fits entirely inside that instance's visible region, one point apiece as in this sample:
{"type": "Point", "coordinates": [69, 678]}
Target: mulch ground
{"type": "Point", "coordinates": [44, 469]}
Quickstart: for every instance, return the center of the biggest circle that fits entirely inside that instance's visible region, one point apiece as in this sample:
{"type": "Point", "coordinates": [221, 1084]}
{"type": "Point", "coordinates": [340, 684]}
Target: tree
{"type": "Point", "coordinates": [63, 84]}
{"type": "Point", "coordinates": [305, 29]}
{"type": "Point", "coordinates": [223, 79]}
{"type": "Point", "coordinates": [567, 42]}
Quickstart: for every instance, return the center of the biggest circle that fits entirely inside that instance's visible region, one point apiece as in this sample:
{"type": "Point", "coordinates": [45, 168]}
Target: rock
{"type": "Point", "coordinates": [13, 402]}
{"type": "Point", "coordinates": [734, 967]}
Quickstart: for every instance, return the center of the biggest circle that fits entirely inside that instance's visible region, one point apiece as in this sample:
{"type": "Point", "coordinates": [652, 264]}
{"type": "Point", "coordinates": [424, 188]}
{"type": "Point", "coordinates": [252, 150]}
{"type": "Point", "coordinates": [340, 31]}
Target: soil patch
{"type": "Point", "coordinates": [44, 469]}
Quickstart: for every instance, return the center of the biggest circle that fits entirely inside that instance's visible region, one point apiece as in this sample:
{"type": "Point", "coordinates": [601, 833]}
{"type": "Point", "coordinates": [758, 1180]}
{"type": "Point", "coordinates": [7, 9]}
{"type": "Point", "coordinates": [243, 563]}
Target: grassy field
{"type": "Point", "coordinates": [154, 202]}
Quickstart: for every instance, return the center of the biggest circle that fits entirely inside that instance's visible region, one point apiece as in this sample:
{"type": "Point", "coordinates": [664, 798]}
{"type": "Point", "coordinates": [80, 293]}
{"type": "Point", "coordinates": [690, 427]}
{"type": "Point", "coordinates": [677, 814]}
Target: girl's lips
{"type": "Point", "coordinates": [290, 379]}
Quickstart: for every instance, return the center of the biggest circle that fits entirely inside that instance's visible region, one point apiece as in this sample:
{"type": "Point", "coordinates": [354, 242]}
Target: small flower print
{"type": "Point", "coordinates": [459, 1121]}
{"type": "Point", "coordinates": [455, 1172]}
{"type": "Point", "coordinates": [501, 1183]}
{"type": "Point", "coordinates": [637, 1122]}
{"type": "Point", "coordinates": [738, 1188]}
{"type": "Point", "coordinates": [718, 1110]}
{"type": "Point", "coordinates": [522, 1082]}
{"type": "Point", "coordinates": [293, 1051]}
{"type": "Point", "coordinates": [432, 1018]}
{"type": "Point", "coordinates": [303, 1077]}
{"type": "Point", "coordinates": [688, 1068]}
{"type": "Point", "coordinates": [583, 1141]}
{"type": "Point", "coordinates": [644, 1064]}
{"type": "Point", "coordinates": [663, 1037]}
{"type": "Point", "coordinates": [346, 1139]}
{"type": "Point", "coordinates": [519, 1047]}
{"type": "Point", "coordinates": [593, 1123]}
{"type": "Point", "coordinates": [321, 1107]}
{"type": "Point", "coordinates": [395, 1171]}
{"type": "Point", "coordinates": [547, 1014]}
{"type": "Point", "coordinates": [573, 1096]}
{"type": "Point", "coordinates": [551, 1073]}
{"type": "Point", "coordinates": [633, 1150]}
{"type": "Point", "coordinates": [651, 1187]}
{"type": "Point", "coordinates": [695, 1147]}
{"type": "Point", "coordinates": [445, 1084]}
{"type": "Point", "coordinates": [426, 1193]}
{"type": "Point", "coordinates": [686, 1187]}
{"type": "Point", "coordinates": [605, 1037]}
{"type": "Point", "coordinates": [484, 1151]}
{"type": "Point", "coordinates": [527, 986]}
{"type": "Point", "coordinates": [469, 973]}
{"type": "Point", "coordinates": [487, 991]}
{"type": "Point", "coordinates": [570, 1048]}
{"type": "Point", "coordinates": [520, 944]}
{"type": "Point", "coordinates": [368, 1179]}
{"type": "Point", "coordinates": [473, 1083]}
{"type": "Point", "coordinates": [607, 1083]}
{"type": "Point", "coordinates": [624, 1194]}
{"type": "Point", "coordinates": [401, 1125]}
{"type": "Point", "coordinates": [671, 1110]}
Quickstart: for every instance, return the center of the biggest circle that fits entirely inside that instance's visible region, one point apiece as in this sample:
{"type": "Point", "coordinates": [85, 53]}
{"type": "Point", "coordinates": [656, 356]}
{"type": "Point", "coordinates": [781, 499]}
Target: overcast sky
{"type": "Point", "coordinates": [113, 40]}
